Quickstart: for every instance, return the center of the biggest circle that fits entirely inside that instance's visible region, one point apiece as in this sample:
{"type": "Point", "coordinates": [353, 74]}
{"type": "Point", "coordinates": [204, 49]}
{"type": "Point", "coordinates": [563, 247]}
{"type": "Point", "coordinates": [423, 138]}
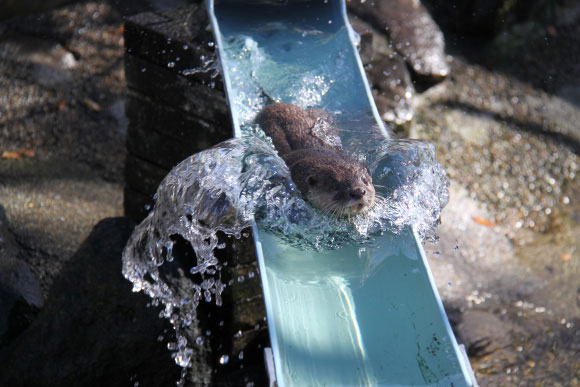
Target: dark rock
{"type": "Point", "coordinates": [49, 63]}
{"type": "Point", "coordinates": [387, 74]}
{"type": "Point", "coordinates": [236, 329]}
{"type": "Point", "coordinates": [489, 17]}
{"type": "Point", "coordinates": [10, 8]}
{"type": "Point", "coordinates": [93, 330]}
{"type": "Point", "coordinates": [412, 32]}
{"type": "Point", "coordinates": [473, 17]}
{"type": "Point", "coordinates": [176, 105]}
{"type": "Point", "coordinates": [20, 291]}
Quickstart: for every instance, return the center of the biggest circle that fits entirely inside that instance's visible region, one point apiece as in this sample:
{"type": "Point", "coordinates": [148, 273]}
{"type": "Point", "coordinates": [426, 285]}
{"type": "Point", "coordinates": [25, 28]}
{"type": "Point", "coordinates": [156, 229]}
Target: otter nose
{"type": "Point", "coordinates": [357, 193]}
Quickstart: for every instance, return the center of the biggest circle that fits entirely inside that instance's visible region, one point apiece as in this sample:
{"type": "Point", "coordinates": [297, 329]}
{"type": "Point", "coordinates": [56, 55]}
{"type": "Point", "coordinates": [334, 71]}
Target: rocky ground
{"type": "Point", "coordinates": [505, 124]}
{"type": "Point", "coordinates": [507, 134]}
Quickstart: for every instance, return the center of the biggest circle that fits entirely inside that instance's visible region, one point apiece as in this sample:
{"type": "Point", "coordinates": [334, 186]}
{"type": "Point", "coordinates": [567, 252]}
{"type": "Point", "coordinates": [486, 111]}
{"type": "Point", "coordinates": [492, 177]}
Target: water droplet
{"type": "Point", "coordinates": [224, 359]}
{"type": "Point", "coordinates": [241, 355]}
{"type": "Point", "coordinates": [171, 65]}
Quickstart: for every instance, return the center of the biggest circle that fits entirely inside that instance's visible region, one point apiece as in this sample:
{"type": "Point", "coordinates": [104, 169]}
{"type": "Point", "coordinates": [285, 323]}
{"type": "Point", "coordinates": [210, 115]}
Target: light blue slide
{"type": "Point", "coordinates": [357, 316]}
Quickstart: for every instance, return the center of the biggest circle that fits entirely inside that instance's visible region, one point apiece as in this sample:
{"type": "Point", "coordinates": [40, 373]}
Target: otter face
{"type": "Point", "coordinates": [330, 181]}
{"type": "Point", "coordinates": [349, 192]}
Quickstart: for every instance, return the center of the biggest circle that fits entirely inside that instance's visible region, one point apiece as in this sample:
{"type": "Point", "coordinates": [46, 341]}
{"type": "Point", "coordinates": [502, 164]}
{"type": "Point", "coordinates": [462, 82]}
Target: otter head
{"type": "Point", "coordinates": [331, 182]}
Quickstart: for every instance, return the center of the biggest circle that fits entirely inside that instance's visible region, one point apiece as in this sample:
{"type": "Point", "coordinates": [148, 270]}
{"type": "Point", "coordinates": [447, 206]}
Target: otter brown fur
{"type": "Point", "coordinates": [310, 146]}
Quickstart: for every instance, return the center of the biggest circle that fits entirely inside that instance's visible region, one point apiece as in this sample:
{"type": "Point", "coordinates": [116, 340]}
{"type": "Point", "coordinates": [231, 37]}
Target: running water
{"type": "Point", "coordinates": [223, 188]}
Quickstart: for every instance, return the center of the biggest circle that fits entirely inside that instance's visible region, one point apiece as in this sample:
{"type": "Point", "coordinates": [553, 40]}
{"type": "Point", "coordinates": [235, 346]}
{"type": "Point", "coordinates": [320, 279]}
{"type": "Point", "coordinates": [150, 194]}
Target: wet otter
{"type": "Point", "coordinates": [311, 148]}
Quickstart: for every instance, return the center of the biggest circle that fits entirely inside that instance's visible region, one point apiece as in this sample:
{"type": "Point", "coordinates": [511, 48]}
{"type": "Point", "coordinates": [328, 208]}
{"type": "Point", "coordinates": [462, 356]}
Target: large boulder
{"type": "Point", "coordinates": [93, 330]}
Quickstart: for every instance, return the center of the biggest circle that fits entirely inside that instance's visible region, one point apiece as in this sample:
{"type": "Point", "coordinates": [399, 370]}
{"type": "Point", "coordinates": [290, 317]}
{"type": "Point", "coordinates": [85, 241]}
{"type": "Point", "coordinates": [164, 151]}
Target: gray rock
{"type": "Point", "coordinates": [93, 330]}
{"type": "Point", "coordinates": [482, 332]}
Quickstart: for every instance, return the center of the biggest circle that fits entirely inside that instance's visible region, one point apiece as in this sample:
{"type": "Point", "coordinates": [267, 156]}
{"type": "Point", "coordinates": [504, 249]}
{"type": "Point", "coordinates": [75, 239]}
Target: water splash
{"type": "Point", "coordinates": [222, 189]}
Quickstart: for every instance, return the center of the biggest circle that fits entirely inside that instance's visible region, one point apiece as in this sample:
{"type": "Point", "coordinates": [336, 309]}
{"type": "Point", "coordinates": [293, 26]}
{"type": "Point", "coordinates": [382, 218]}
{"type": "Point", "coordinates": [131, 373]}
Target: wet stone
{"type": "Point", "coordinates": [412, 32]}
{"type": "Point", "coordinates": [176, 39]}
{"type": "Point", "coordinates": [176, 104]}
{"type": "Point", "coordinates": [392, 88]}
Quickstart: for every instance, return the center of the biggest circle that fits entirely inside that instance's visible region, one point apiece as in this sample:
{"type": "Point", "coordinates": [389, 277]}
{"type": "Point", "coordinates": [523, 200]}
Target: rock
{"type": "Point", "coordinates": [175, 104]}
{"type": "Point", "coordinates": [471, 17]}
{"type": "Point", "coordinates": [392, 88]}
{"type": "Point", "coordinates": [10, 8]}
{"type": "Point", "coordinates": [20, 291]}
{"type": "Point", "coordinates": [489, 17]}
{"type": "Point", "coordinates": [94, 330]}
{"type": "Point", "coordinates": [482, 332]}
{"type": "Point", "coordinates": [472, 259]}
{"type": "Point", "coordinates": [412, 32]}
{"type": "Point", "coordinates": [38, 51]}
{"type": "Point", "coordinates": [387, 74]}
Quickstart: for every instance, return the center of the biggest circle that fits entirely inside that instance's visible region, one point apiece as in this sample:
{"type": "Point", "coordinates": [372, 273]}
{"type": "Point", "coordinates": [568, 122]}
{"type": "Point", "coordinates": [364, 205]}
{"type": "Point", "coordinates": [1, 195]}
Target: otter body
{"type": "Point", "coordinates": [311, 148]}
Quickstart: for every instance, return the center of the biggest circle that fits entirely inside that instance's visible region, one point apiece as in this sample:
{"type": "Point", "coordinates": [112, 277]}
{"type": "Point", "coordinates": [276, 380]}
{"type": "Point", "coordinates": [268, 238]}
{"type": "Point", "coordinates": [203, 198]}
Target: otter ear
{"type": "Point", "coordinates": [312, 181]}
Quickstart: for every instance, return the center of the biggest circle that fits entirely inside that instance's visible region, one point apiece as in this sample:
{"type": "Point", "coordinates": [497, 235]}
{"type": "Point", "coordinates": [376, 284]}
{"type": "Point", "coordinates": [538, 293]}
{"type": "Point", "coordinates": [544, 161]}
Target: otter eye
{"type": "Point", "coordinates": [365, 181]}
{"type": "Point", "coordinates": [312, 181]}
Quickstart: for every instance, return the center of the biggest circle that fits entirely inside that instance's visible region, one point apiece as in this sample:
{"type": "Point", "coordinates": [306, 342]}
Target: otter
{"type": "Point", "coordinates": [309, 144]}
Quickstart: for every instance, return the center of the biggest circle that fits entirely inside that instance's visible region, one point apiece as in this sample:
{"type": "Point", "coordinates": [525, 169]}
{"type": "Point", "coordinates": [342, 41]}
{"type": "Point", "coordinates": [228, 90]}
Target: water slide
{"type": "Point", "coordinates": [356, 315]}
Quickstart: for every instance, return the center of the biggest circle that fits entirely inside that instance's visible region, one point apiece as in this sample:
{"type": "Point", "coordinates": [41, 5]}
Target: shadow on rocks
{"type": "Point", "coordinates": [20, 290]}
{"type": "Point", "coordinates": [93, 330]}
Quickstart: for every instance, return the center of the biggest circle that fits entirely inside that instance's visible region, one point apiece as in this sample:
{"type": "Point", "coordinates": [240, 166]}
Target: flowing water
{"type": "Point", "coordinates": [223, 188]}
